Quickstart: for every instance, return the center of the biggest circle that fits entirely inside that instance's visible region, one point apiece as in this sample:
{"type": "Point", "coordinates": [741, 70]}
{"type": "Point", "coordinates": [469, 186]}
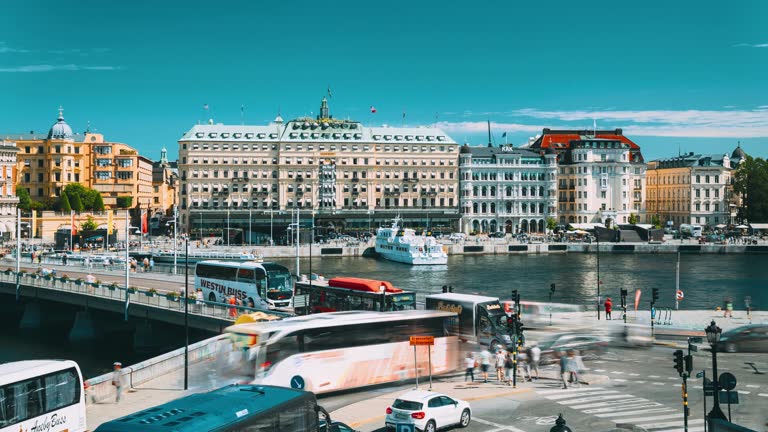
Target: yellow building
{"type": "Point", "coordinates": [8, 199]}
{"type": "Point", "coordinates": [164, 184]}
{"type": "Point", "coordinates": [47, 163]}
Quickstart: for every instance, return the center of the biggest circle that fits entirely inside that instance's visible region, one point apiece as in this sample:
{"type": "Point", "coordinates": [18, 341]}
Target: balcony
{"type": "Point", "coordinates": [221, 193]}
{"type": "Point", "coordinates": [428, 193]}
{"type": "Point", "coordinates": [299, 179]}
{"type": "Point", "coordinates": [392, 193]}
{"type": "Point", "coordinates": [240, 179]}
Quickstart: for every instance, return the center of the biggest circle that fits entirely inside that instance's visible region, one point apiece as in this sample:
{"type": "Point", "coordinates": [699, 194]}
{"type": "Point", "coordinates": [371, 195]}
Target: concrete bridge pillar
{"type": "Point", "coordinates": [33, 316]}
{"type": "Point", "coordinates": [83, 328]}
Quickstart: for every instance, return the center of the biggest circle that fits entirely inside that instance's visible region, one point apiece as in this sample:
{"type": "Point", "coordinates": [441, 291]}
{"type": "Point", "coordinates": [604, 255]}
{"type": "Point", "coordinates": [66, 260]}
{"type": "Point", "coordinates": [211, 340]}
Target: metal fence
{"type": "Point", "coordinates": [170, 301]}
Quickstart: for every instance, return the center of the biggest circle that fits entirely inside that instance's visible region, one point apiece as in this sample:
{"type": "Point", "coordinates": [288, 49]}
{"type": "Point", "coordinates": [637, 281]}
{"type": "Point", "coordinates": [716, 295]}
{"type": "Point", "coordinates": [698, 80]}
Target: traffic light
{"type": "Point", "coordinates": [655, 294]}
{"type": "Point", "coordinates": [552, 288]}
{"type": "Point", "coordinates": [689, 364]}
{"type": "Point", "coordinates": [679, 361]}
{"type": "Point", "coordinates": [445, 289]}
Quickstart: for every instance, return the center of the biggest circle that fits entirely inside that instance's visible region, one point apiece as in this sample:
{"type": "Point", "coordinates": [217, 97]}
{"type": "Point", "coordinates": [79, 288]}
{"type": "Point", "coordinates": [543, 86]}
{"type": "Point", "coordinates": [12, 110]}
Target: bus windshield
{"type": "Point", "coordinates": [279, 284]}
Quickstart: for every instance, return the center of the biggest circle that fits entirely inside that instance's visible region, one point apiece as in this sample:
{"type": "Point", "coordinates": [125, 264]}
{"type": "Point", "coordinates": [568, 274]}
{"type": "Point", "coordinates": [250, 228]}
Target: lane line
{"type": "Point", "coordinates": [620, 405]}
{"type": "Point", "coordinates": [592, 399]}
{"type": "Point", "coordinates": [653, 376]}
{"type": "Point", "coordinates": [743, 392]}
{"type": "Point", "coordinates": [611, 409]}
{"type": "Point", "coordinates": [617, 373]}
{"type": "Point", "coordinates": [571, 390]}
{"type": "Point", "coordinates": [571, 395]}
{"type": "Point", "coordinates": [497, 425]}
{"type": "Point", "coordinates": [642, 419]}
{"type": "Point", "coordinates": [642, 411]}
{"type": "Point", "coordinates": [634, 374]}
{"type": "Point", "coordinates": [763, 394]}
{"type": "Point", "coordinates": [673, 378]}
{"type": "Point", "coordinates": [690, 429]}
{"type": "Point", "coordinates": [599, 370]}
{"type": "Point", "coordinates": [753, 386]}
{"type": "Point", "coordinates": [664, 425]}
{"type": "Point", "coordinates": [619, 380]}
{"type": "Point", "coordinates": [640, 382]}
{"type": "Point", "coordinates": [658, 383]}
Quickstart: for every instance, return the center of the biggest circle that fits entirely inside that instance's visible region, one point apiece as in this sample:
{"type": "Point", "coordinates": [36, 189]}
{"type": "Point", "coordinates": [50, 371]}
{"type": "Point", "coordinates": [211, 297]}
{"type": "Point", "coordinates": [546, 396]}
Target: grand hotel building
{"type": "Point", "coordinates": [339, 174]}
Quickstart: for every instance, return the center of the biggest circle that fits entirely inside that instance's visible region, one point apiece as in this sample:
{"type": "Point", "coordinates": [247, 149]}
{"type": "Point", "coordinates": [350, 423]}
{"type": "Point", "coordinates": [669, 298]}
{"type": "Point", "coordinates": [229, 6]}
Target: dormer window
{"type": "Point", "coordinates": [225, 135]}
{"type": "Point", "coordinates": [213, 135]}
{"type": "Point", "coordinates": [237, 135]}
{"type": "Point", "coordinates": [199, 135]}
{"type": "Point", "coordinates": [262, 135]}
{"type": "Point", "coordinates": [249, 135]}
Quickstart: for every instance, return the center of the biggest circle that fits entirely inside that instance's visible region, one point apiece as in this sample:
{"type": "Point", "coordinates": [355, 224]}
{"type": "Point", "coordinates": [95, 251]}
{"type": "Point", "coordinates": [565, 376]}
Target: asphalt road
{"type": "Point", "coordinates": [643, 392]}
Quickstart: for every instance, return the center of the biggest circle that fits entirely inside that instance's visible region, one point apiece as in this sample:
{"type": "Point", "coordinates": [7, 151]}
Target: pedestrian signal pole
{"type": "Point", "coordinates": [654, 297]}
{"type": "Point", "coordinates": [624, 304]}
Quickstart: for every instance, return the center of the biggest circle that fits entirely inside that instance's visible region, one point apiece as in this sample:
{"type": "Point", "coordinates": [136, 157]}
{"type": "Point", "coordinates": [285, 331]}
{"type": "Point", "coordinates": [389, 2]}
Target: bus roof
{"type": "Point", "coordinates": [470, 298]}
{"type": "Point", "coordinates": [14, 371]}
{"type": "Point", "coordinates": [207, 411]}
{"type": "Point", "coordinates": [334, 318]}
{"type": "Point", "coordinates": [360, 284]}
{"type": "Point", "coordinates": [245, 264]}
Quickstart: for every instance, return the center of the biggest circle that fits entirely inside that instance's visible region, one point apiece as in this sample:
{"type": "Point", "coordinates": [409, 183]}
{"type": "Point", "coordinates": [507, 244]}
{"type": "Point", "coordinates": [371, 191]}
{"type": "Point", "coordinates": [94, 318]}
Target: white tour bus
{"type": "Point", "coordinates": [687, 230]}
{"type": "Point", "coordinates": [255, 284]}
{"type": "Point", "coordinates": [341, 350]}
{"type": "Point", "coordinates": [41, 395]}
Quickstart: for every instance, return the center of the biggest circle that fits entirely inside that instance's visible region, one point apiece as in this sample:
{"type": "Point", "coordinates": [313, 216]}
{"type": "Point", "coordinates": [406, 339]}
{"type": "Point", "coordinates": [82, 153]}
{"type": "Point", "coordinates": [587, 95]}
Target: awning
{"type": "Point", "coordinates": [720, 226]}
{"type": "Point", "coordinates": [585, 226]}
{"type": "Point", "coordinates": [759, 226]}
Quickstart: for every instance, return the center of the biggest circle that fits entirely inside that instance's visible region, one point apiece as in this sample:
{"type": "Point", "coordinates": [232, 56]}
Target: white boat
{"type": "Point", "coordinates": [405, 246]}
{"type": "Point", "coordinates": [167, 256]}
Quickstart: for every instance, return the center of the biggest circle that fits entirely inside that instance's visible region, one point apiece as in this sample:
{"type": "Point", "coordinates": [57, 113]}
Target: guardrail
{"type": "Point", "coordinates": [100, 388]}
{"type": "Point", "coordinates": [170, 301]}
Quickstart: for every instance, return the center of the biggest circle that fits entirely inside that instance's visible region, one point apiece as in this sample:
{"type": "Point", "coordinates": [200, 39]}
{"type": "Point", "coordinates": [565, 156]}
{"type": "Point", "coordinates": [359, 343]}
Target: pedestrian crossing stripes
{"type": "Point", "coordinates": [622, 409]}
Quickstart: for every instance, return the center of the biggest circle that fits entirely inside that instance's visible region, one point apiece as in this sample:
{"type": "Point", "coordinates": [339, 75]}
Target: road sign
{"type": "Point", "coordinates": [693, 340]}
{"type": "Point", "coordinates": [729, 397]}
{"type": "Point", "coordinates": [709, 387]}
{"type": "Point", "coordinates": [422, 340]}
{"type": "Point", "coordinates": [691, 348]}
{"type": "Point", "coordinates": [297, 382]}
{"type": "Point", "coordinates": [727, 381]}
{"type": "Point", "coordinates": [700, 374]}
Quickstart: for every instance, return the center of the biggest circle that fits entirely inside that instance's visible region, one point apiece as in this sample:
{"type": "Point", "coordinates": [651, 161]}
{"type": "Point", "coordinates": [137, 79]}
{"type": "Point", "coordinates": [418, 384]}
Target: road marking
{"type": "Point", "coordinates": [743, 392]}
{"type": "Point", "coordinates": [619, 380]}
{"type": "Point", "coordinates": [577, 394]}
{"type": "Point", "coordinates": [664, 425]}
{"type": "Point", "coordinates": [617, 373]}
{"type": "Point", "coordinates": [599, 370]}
{"type": "Point", "coordinates": [653, 376]}
{"type": "Point", "coordinates": [640, 382]}
{"type": "Point", "coordinates": [642, 419]}
{"type": "Point", "coordinates": [636, 412]}
{"type": "Point", "coordinates": [591, 399]}
{"type": "Point", "coordinates": [658, 383]}
{"type": "Point", "coordinates": [497, 425]}
{"type": "Point", "coordinates": [690, 429]}
{"type": "Point", "coordinates": [598, 361]}
{"type": "Point", "coordinates": [753, 386]}
{"type": "Point", "coordinates": [700, 387]}
{"type": "Point", "coordinates": [634, 374]}
{"type": "Point", "coordinates": [763, 394]}
{"type": "Point", "coordinates": [611, 408]}
{"type": "Point", "coordinates": [546, 392]}
{"type": "Point", "coordinates": [673, 378]}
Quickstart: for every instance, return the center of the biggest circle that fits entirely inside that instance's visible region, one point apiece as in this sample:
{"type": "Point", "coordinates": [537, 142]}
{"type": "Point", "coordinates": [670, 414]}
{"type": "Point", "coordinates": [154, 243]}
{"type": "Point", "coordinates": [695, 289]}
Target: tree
{"type": "Point", "coordinates": [656, 221]}
{"type": "Point", "coordinates": [63, 204]}
{"type": "Point", "coordinates": [76, 202]}
{"type": "Point", "coordinates": [632, 218]}
{"type": "Point", "coordinates": [124, 201]}
{"type": "Point", "coordinates": [751, 182]}
{"type": "Point", "coordinates": [551, 223]}
{"type": "Point", "coordinates": [25, 202]}
{"type": "Point", "coordinates": [98, 203]}
{"type": "Point", "coordinates": [89, 225]}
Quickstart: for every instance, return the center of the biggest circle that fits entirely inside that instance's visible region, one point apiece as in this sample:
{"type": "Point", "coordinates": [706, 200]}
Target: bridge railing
{"type": "Point", "coordinates": [169, 300]}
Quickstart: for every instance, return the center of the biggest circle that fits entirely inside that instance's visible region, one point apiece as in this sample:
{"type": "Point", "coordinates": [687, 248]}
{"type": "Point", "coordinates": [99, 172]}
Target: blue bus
{"type": "Point", "coordinates": [255, 408]}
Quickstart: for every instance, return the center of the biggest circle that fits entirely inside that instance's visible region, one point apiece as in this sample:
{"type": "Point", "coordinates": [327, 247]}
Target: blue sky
{"type": "Point", "coordinates": [688, 75]}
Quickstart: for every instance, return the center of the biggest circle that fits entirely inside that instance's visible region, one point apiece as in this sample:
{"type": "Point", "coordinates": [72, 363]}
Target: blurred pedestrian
{"type": "Point", "coordinates": [469, 364]}
{"type": "Point", "coordinates": [151, 264]}
{"type": "Point", "coordinates": [563, 368]}
{"type": "Point", "coordinates": [232, 310]}
{"type": "Point", "coordinates": [509, 365]}
{"type": "Point", "coordinates": [485, 363]}
{"type": "Point", "coordinates": [499, 360]}
{"type": "Point", "coordinates": [608, 307]}
{"type": "Point", "coordinates": [573, 366]}
{"type": "Point", "coordinates": [117, 380]}
{"type": "Point", "coordinates": [728, 308]}
{"type": "Point", "coordinates": [534, 357]}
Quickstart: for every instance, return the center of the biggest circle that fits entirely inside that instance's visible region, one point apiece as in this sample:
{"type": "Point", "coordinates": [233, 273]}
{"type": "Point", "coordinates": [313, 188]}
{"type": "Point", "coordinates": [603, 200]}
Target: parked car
{"type": "Point", "coordinates": [457, 237]}
{"type": "Point", "coordinates": [427, 411]}
{"type": "Point", "coordinates": [751, 338]}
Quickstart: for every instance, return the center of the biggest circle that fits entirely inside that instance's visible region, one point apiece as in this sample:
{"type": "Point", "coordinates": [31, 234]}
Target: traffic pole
{"type": "Point", "coordinates": [685, 402]}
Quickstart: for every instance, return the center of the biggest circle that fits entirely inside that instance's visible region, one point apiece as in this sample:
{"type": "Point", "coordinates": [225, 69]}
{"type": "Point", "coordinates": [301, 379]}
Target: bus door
{"type": "Point", "coordinates": [260, 279]}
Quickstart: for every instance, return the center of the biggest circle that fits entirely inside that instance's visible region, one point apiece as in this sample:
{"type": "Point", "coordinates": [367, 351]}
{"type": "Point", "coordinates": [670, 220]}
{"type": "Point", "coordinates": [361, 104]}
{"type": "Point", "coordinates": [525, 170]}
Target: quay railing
{"type": "Point", "coordinates": [166, 300]}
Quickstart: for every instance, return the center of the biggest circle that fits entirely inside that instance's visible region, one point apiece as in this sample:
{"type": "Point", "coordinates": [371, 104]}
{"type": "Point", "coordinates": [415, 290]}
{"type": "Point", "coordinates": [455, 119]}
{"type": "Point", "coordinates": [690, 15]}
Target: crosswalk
{"type": "Point", "coordinates": [623, 409]}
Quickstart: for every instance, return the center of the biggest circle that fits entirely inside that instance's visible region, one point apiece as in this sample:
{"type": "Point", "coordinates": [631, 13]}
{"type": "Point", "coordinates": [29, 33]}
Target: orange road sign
{"type": "Point", "coordinates": [422, 340]}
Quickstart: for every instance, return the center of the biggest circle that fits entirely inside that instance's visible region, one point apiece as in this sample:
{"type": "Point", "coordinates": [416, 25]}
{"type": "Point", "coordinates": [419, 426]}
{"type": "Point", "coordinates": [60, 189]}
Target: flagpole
{"type": "Point", "coordinates": [127, 264]}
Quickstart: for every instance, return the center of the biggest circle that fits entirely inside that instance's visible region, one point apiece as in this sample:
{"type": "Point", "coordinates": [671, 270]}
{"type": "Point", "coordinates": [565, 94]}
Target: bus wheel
{"type": "Point", "coordinates": [212, 297]}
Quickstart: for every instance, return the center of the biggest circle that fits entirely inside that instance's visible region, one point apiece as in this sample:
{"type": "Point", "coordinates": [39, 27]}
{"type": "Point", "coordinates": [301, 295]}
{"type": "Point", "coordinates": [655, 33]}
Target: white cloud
{"type": "Point", "coordinates": [52, 68]}
{"type": "Point", "coordinates": [684, 123]}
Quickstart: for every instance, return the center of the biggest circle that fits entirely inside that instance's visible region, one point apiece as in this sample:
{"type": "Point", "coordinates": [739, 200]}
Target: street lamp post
{"type": "Point", "coordinates": [597, 238]}
{"type": "Point", "coordinates": [713, 337]}
{"type": "Point", "coordinates": [185, 299]}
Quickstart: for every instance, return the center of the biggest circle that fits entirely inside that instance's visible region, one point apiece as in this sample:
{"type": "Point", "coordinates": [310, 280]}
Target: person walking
{"type": "Point", "coordinates": [151, 264]}
{"type": "Point", "coordinates": [64, 259]}
{"type": "Point", "coordinates": [485, 363]}
{"type": "Point", "coordinates": [534, 357]}
{"type": "Point", "coordinates": [608, 307]}
{"type": "Point", "coordinates": [509, 364]}
{"type": "Point", "coordinates": [117, 380]}
{"type": "Point", "coordinates": [499, 361]}
{"type": "Point", "coordinates": [469, 364]}
{"type": "Point", "coordinates": [199, 299]}
{"type": "Point", "coordinates": [573, 366]}
{"type": "Point", "coordinates": [563, 368]}
{"type": "Point", "coordinates": [728, 308]}
{"type": "Point", "coordinates": [232, 310]}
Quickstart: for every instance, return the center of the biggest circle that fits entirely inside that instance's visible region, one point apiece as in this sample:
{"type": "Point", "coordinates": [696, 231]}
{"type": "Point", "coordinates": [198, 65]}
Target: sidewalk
{"type": "Point", "coordinates": [682, 322]}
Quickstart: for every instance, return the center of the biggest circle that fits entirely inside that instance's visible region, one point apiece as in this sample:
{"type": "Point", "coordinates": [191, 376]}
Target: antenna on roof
{"type": "Point", "coordinates": [489, 134]}
{"type": "Point", "coordinates": [594, 127]}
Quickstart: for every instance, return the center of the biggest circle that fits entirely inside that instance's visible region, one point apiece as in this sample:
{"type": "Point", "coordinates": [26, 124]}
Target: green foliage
{"type": "Point", "coordinates": [76, 203]}
{"type": "Point", "coordinates": [751, 182]}
{"type": "Point", "coordinates": [63, 204]}
{"type": "Point", "coordinates": [98, 203]}
{"type": "Point", "coordinates": [124, 201]}
{"type": "Point", "coordinates": [656, 221]}
{"type": "Point", "coordinates": [89, 225]}
{"type": "Point", "coordinates": [551, 223]}
{"type": "Point", "coordinates": [38, 206]}
{"type": "Point", "coordinates": [25, 202]}
{"type": "Point", "coordinates": [632, 218]}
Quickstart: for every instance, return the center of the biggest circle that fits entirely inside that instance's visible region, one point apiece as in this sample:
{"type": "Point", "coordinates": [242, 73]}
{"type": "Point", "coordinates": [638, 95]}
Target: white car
{"type": "Point", "coordinates": [427, 411]}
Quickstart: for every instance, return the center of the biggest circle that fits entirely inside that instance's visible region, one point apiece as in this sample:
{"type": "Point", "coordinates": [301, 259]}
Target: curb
{"type": "Point", "coordinates": [476, 398]}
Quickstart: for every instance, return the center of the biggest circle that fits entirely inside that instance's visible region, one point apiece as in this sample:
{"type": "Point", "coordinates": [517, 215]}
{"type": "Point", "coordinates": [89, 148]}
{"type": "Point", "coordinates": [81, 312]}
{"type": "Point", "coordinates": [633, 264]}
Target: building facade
{"type": "Point", "coordinates": [164, 185]}
{"type": "Point", "coordinates": [507, 189]}
{"type": "Point", "coordinates": [8, 200]}
{"type": "Point", "coordinates": [692, 189]}
{"type": "Point", "coordinates": [601, 174]}
{"type": "Point", "coordinates": [47, 163]}
{"type": "Point", "coordinates": [340, 174]}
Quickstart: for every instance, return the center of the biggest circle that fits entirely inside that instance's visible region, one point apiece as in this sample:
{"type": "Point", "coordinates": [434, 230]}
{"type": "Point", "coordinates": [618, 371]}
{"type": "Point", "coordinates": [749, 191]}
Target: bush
{"type": "Point", "coordinates": [124, 201]}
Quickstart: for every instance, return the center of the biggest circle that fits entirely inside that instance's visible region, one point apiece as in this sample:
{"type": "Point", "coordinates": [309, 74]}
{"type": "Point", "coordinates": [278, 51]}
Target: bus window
{"type": "Point", "coordinates": [261, 282]}
{"type": "Point", "coordinates": [245, 275]}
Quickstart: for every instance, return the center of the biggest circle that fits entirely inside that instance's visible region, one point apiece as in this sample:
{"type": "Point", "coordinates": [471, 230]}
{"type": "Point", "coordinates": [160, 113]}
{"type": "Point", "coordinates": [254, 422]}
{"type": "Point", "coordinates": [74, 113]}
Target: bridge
{"type": "Point", "coordinates": [149, 299]}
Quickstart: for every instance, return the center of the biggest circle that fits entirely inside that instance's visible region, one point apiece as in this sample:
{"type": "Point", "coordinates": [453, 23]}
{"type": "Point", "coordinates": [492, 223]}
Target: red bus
{"type": "Point", "coordinates": [349, 293]}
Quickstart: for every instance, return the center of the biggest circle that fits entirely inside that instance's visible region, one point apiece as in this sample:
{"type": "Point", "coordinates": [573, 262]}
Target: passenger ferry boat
{"type": "Point", "coordinates": [404, 246]}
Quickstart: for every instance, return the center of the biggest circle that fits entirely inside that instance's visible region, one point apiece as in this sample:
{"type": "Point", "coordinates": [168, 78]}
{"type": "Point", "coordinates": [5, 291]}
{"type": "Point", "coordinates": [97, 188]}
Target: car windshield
{"type": "Point", "coordinates": [407, 405]}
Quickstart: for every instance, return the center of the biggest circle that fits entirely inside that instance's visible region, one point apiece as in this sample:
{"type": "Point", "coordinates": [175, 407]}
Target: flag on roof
{"type": "Point", "coordinates": [329, 92]}
{"type": "Point", "coordinates": [504, 135]}
{"type": "Point", "coordinates": [373, 110]}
